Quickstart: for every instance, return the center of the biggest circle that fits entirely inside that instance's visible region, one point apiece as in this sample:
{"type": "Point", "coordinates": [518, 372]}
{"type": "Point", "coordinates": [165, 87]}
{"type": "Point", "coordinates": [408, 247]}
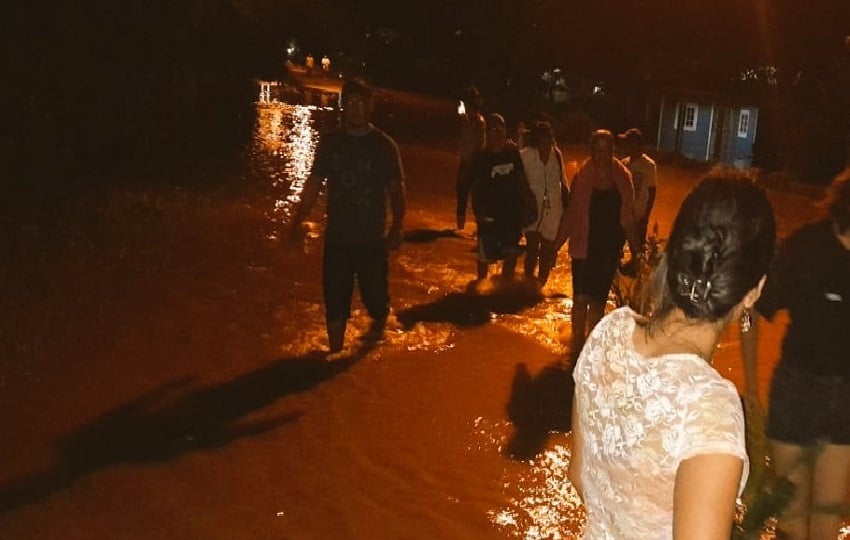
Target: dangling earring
{"type": "Point", "coordinates": [746, 320]}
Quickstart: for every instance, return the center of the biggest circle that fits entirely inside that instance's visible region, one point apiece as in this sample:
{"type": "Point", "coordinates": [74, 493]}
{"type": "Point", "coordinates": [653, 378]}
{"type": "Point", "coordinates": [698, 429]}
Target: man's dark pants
{"type": "Point", "coordinates": [341, 265]}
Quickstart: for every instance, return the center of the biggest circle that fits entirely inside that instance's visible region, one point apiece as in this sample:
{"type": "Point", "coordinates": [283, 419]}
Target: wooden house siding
{"type": "Point", "coordinates": [715, 136]}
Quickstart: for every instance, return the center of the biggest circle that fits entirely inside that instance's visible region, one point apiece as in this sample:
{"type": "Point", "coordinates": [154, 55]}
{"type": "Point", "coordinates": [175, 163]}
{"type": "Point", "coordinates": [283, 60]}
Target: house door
{"type": "Point", "coordinates": [717, 134]}
{"type": "Point", "coordinates": [726, 137]}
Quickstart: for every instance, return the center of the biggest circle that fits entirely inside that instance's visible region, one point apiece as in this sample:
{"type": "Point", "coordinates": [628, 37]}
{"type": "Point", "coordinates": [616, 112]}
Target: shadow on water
{"type": "Point", "coordinates": [422, 236]}
{"type": "Point", "coordinates": [175, 419]}
{"type": "Point", "coordinates": [477, 304]}
{"type": "Point", "coordinates": [537, 406]}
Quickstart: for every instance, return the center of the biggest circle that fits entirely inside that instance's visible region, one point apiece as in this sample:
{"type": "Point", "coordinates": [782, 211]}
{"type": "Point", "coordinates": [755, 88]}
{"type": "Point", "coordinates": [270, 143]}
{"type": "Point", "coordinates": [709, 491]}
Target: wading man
{"type": "Point", "coordinates": [363, 168]}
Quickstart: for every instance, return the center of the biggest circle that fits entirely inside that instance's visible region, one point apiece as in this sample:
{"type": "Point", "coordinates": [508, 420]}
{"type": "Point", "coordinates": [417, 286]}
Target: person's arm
{"type": "Point", "coordinates": [309, 195]}
{"type": "Point", "coordinates": [577, 189]}
{"type": "Point", "coordinates": [652, 184]}
{"type": "Point", "coordinates": [650, 202]}
{"type": "Point", "coordinates": [531, 211]}
{"type": "Point", "coordinates": [397, 196]}
{"type": "Point", "coordinates": [398, 206]}
{"type": "Point", "coordinates": [480, 133]}
{"type": "Point", "coordinates": [627, 207]}
{"type": "Point", "coordinates": [704, 496]}
{"type": "Point", "coordinates": [574, 470]}
{"type": "Point", "coordinates": [310, 190]}
{"type": "Point", "coordinates": [476, 181]}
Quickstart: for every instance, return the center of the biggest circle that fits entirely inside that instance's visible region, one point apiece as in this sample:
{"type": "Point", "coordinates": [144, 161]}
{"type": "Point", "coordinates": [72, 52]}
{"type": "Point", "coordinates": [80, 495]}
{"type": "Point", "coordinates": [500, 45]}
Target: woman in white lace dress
{"type": "Point", "coordinates": [658, 433]}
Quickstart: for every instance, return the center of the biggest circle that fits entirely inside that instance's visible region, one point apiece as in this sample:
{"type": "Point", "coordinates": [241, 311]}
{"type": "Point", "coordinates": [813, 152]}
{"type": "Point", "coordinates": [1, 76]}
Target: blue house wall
{"type": "Point", "coordinates": [713, 136]}
{"type": "Point", "coordinates": [741, 149]}
{"type": "Point", "coordinates": [667, 130]}
{"type": "Point", "coordinates": [694, 143]}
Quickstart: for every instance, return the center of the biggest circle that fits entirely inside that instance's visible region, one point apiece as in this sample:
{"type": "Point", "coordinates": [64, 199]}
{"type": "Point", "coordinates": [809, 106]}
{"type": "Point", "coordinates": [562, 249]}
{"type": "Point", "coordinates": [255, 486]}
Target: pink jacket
{"type": "Point", "coordinates": [576, 220]}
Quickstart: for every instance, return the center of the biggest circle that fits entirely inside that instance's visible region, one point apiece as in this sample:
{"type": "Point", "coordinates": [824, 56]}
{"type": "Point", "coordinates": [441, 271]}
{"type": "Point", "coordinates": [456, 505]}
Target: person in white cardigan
{"type": "Point", "coordinates": [544, 168]}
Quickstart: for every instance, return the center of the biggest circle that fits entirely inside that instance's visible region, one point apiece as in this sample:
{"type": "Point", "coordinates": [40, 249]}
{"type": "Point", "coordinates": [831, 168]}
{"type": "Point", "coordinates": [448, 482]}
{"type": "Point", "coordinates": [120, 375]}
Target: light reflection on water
{"type": "Point", "coordinates": [284, 144]}
{"type": "Point", "coordinates": [540, 501]}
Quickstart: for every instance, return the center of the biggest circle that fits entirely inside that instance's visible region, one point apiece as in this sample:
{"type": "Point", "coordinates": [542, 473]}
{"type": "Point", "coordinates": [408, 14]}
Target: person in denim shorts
{"type": "Point", "coordinates": [809, 406]}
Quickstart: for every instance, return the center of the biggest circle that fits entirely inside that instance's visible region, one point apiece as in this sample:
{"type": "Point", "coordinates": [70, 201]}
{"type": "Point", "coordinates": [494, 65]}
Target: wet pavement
{"type": "Point", "coordinates": [166, 374]}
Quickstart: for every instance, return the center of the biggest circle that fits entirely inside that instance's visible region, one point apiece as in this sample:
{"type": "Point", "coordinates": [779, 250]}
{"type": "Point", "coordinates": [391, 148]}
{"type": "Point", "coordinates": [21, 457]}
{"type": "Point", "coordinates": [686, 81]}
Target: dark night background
{"type": "Point", "coordinates": [95, 87]}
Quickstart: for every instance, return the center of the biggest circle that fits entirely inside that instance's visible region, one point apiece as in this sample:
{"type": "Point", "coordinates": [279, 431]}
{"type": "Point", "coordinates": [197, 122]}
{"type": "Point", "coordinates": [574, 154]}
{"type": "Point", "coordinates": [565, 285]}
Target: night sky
{"type": "Point", "coordinates": [142, 70]}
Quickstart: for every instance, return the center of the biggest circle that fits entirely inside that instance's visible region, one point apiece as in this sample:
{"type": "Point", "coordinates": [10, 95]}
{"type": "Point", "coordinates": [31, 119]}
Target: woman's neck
{"type": "Point", "coordinates": [676, 334]}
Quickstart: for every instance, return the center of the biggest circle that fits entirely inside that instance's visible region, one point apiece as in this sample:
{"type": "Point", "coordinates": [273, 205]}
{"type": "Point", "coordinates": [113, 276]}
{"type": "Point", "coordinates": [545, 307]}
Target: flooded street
{"type": "Point", "coordinates": [169, 377]}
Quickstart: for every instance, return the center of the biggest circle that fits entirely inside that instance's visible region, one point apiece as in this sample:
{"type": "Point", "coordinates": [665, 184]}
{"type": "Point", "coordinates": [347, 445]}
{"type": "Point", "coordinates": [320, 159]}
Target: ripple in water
{"type": "Point", "coordinates": [543, 503]}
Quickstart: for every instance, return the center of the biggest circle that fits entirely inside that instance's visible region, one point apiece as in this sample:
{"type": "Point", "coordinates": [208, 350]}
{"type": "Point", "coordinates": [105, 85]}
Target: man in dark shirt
{"type": "Point", "coordinates": [362, 166]}
{"type": "Point", "coordinates": [809, 411]}
{"type": "Point", "coordinates": [501, 199]}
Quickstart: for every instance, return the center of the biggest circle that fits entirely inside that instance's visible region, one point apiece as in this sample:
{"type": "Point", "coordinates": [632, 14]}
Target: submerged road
{"type": "Point", "coordinates": [168, 379]}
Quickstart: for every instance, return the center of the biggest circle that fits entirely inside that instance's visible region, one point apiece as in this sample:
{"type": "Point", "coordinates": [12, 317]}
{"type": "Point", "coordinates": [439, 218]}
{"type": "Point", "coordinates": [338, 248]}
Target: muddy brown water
{"type": "Point", "coordinates": [165, 375]}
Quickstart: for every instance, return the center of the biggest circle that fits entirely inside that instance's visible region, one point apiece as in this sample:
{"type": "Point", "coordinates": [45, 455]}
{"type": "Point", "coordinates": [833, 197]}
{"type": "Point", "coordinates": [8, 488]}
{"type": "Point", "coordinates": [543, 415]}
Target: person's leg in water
{"type": "Point", "coordinates": [830, 477]}
{"type": "Point", "coordinates": [510, 261]}
{"type": "Point", "coordinates": [532, 253]}
{"type": "Point", "coordinates": [338, 286]}
{"type": "Point", "coordinates": [509, 251]}
{"type": "Point", "coordinates": [601, 279]}
{"type": "Point", "coordinates": [548, 256]}
{"type": "Point", "coordinates": [790, 461]}
{"type": "Point", "coordinates": [488, 248]}
{"type": "Point", "coordinates": [578, 322]}
{"type": "Point", "coordinates": [581, 302]}
{"type": "Point", "coordinates": [463, 187]}
{"type": "Point", "coordinates": [372, 278]}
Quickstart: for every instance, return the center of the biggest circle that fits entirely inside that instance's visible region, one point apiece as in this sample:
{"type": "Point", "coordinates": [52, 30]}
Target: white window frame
{"type": "Point", "coordinates": [692, 125]}
{"type": "Point", "coordinates": [744, 119]}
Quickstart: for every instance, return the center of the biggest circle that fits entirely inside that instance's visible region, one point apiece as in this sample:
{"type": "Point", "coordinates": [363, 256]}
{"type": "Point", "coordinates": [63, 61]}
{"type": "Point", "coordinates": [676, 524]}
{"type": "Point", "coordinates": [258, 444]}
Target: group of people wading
{"type": "Point", "coordinates": [659, 447]}
{"type": "Point", "coordinates": [519, 192]}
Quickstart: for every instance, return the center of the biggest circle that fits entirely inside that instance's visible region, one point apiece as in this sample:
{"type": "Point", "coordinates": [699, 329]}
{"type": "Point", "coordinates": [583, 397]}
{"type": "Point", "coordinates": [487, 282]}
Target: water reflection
{"type": "Point", "coordinates": [536, 501]}
{"type": "Point", "coordinates": [283, 148]}
{"type": "Point", "coordinates": [546, 506]}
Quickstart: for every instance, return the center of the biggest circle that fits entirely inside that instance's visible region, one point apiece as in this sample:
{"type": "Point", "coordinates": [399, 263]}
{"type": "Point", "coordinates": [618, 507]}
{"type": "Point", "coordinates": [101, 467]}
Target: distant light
{"type": "Point", "coordinates": [461, 108]}
{"type": "Point", "coordinates": [598, 90]}
{"type": "Point", "coordinates": [458, 32]}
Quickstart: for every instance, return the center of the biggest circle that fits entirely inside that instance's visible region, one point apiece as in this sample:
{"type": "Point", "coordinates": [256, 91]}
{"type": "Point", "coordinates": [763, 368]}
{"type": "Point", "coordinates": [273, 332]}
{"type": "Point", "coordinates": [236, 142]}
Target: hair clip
{"type": "Point", "coordinates": [695, 290]}
{"type": "Point", "coordinates": [699, 290]}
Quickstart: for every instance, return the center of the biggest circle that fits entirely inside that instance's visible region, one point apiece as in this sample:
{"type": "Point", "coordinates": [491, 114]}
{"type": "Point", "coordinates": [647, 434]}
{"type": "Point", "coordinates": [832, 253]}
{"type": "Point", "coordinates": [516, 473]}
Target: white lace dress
{"type": "Point", "coordinates": [639, 418]}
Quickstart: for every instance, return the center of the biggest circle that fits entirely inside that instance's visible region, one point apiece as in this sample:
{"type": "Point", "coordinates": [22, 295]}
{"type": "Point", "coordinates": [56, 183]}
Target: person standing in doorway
{"type": "Point", "coordinates": [599, 217]}
{"type": "Point", "coordinates": [544, 168]}
{"type": "Point", "coordinates": [363, 169]}
{"type": "Point", "coordinates": [473, 139]}
{"type": "Point", "coordinates": [808, 422]}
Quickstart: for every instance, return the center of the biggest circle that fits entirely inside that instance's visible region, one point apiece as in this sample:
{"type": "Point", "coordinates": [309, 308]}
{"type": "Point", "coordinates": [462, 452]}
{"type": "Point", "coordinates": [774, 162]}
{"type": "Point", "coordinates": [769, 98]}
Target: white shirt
{"type": "Point", "coordinates": [640, 418]}
{"type": "Point", "coordinates": [643, 171]}
{"type": "Point", "coordinates": [545, 181]}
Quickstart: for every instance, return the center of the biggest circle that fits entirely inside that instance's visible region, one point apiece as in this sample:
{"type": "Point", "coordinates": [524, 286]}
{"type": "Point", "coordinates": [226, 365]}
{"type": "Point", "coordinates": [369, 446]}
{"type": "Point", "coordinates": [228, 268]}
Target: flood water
{"type": "Point", "coordinates": [417, 439]}
{"type": "Point", "coordinates": [223, 417]}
